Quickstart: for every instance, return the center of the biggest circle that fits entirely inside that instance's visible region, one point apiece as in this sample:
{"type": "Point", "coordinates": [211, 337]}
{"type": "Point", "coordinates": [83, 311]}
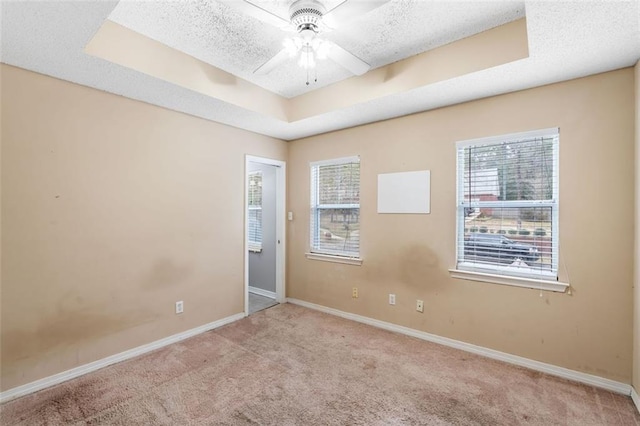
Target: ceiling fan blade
{"type": "Point", "coordinates": [268, 66]}
{"type": "Point", "coordinates": [251, 9]}
{"type": "Point", "coordinates": [350, 9]}
{"type": "Point", "coordinates": [348, 60]}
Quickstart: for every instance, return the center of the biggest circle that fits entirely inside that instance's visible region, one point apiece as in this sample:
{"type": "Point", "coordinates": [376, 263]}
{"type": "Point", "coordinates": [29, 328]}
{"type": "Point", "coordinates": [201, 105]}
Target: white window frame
{"type": "Point", "coordinates": [504, 275]}
{"type": "Point", "coordinates": [255, 246]}
{"type": "Point", "coordinates": [315, 253]}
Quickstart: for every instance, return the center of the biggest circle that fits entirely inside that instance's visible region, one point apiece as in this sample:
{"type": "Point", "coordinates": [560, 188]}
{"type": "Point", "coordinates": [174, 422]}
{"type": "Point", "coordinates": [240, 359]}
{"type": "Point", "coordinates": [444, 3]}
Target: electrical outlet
{"type": "Point", "coordinates": [392, 299]}
{"type": "Point", "coordinates": [179, 307]}
{"type": "Point", "coordinates": [419, 305]}
{"type": "Point", "coordinates": [354, 292]}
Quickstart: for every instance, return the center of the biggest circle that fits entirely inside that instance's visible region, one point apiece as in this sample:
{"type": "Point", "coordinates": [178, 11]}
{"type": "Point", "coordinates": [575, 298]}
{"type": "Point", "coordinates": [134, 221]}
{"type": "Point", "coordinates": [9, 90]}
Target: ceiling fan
{"type": "Point", "coordinates": [308, 18]}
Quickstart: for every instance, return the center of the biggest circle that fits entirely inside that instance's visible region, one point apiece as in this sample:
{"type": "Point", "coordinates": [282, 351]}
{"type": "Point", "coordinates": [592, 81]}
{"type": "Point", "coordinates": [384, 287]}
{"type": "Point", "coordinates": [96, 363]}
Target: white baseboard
{"type": "Point", "coordinates": [101, 363]}
{"type": "Point", "coordinates": [635, 398]}
{"type": "Point", "coordinates": [261, 292]}
{"type": "Point", "coordinates": [565, 373]}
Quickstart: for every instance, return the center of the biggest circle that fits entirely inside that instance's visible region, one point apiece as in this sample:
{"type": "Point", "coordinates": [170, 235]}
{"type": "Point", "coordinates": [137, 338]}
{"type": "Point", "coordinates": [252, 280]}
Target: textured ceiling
{"type": "Point", "coordinates": [567, 39]}
{"type": "Point", "coordinates": [221, 35]}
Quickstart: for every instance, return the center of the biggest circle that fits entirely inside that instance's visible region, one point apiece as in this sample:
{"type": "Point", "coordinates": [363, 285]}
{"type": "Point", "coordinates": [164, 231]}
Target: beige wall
{"type": "Point", "coordinates": [636, 287]}
{"type": "Point", "coordinates": [113, 210]}
{"type": "Point", "coordinates": [589, 330]}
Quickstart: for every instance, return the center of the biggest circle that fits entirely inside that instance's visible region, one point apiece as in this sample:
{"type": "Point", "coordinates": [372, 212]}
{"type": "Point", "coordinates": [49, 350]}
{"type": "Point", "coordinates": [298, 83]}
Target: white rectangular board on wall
{"type": "Point", "coordinates": [406, 192]}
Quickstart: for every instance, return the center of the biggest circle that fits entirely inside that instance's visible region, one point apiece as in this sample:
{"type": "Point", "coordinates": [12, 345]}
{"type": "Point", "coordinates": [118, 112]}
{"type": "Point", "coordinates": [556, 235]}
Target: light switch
{"type": "Point", "coordinates": [290, 216]}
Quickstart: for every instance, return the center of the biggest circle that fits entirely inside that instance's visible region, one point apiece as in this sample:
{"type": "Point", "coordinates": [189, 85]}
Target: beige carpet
{"type": "Point", "coordinates": [288, 365]}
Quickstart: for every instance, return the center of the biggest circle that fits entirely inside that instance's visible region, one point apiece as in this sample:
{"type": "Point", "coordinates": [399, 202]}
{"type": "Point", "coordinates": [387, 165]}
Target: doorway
{"type": "Point", "coordinates": [264, 233]}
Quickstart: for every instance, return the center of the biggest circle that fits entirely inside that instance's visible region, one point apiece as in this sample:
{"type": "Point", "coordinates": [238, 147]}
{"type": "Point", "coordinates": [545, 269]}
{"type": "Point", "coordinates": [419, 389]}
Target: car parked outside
{"type": "Point", "coordinates": [498, 248]}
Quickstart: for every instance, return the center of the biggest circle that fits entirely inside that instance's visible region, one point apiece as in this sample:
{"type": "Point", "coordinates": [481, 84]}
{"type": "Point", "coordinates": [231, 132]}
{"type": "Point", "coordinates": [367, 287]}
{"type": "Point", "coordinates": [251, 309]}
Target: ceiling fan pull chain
{"type": "Point", "coordinates": [307, 76]}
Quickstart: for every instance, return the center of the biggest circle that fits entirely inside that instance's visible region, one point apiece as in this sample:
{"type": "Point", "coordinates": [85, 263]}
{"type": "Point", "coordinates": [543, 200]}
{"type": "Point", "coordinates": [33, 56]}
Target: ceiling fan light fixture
{"type": "Point", "coordinates": [307, 59]}
{"type": "Point", "coordinates": [311, 50]}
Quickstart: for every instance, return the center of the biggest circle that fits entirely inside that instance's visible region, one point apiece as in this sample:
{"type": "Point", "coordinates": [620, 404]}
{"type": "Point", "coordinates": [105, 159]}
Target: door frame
{"type": "Point", "coordinates": [281, 206]}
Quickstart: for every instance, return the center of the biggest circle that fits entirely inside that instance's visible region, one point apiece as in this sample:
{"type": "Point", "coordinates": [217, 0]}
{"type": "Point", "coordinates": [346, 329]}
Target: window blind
{"type": "Point", "coordinates": [508, 205]}
{"type": "Point", "coordinates": [335, 207]}
{"type": "Point", "coordinates": [255, 210]}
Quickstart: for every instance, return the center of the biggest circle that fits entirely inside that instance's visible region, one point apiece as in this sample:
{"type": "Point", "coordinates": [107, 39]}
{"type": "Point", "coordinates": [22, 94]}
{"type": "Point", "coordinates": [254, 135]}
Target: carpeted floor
{"type": "Point", "coordinates": [289, 365]}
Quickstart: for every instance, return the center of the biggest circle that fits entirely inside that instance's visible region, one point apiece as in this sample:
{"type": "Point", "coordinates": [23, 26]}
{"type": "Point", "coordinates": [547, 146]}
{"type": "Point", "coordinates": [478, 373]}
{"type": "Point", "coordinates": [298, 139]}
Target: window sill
{"type": "Point", "coordinates": [512, 281]}
{"type": "Point", "coordinates": [335, 259]}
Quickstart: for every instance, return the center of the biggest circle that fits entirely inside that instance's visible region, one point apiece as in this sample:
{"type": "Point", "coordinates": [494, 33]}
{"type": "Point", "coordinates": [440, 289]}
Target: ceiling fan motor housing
{"type": "Point", "coordinates": [306, 14]}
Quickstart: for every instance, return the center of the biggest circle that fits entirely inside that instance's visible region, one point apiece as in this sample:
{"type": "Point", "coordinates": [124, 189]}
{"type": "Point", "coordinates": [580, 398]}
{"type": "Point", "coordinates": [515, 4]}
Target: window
{"type": "Point", "coordinates": [335, 207]}
{"type": "Point", "coordinates": [255, 211]}
{"type": "Point", "coordinates": [508, 205]}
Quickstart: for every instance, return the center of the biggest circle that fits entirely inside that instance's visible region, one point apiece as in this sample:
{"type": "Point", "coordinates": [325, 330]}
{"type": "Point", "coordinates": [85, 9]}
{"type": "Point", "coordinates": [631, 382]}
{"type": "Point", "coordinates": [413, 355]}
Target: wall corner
{"type": "Point", "coordinates": [635, 381]}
